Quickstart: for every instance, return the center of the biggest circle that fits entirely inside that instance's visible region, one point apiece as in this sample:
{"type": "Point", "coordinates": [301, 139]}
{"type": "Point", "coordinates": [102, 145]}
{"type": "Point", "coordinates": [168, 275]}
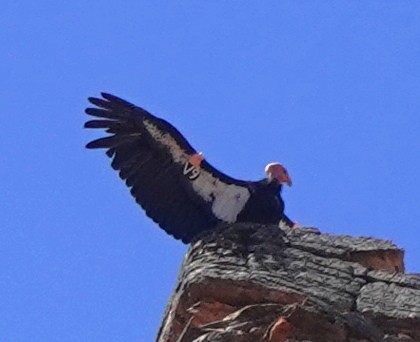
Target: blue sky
{"type": "Point", "coordinates": [329, 88]}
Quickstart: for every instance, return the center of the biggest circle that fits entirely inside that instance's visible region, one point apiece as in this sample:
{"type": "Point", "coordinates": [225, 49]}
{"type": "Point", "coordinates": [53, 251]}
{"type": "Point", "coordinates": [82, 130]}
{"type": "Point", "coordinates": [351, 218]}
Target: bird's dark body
{"type": "Point", "coordinates": [264, 205]}
{"type": "Point", "coordinates": [153, 158]}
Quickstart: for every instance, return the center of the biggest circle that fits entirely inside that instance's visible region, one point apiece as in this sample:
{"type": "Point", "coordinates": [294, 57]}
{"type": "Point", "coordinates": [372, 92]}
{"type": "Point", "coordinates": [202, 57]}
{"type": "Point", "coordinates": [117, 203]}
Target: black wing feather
{"type": "Point", "coordinates": [147, 168]}
{"type": "Point", "coordinates": [109, 142]}
{"type": "Point", "coordinates": [101, 113]}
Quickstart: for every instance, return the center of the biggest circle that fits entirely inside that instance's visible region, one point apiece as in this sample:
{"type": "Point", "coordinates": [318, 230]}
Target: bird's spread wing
{"type": "Point", "coordinates": [157, 163]}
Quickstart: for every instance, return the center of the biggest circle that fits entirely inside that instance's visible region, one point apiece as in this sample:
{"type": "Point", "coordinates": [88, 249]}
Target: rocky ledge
{"type": "Point", "coordinates": [250, 282]}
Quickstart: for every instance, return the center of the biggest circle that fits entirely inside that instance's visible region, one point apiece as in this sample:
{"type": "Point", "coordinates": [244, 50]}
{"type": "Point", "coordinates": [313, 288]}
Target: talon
{"type": "Point", "coordinates": [196, 159]}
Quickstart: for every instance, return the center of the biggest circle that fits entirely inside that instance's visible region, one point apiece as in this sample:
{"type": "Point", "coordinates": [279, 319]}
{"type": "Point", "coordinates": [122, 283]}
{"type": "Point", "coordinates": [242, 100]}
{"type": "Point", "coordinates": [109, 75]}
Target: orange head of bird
{"type": "Point", "coordinates": [278, 172]}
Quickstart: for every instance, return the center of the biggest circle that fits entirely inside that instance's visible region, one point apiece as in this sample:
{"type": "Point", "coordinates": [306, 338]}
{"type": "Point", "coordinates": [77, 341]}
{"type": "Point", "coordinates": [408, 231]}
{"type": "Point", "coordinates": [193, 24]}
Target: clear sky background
{"type": "Point", "coordinates": [329, 88]}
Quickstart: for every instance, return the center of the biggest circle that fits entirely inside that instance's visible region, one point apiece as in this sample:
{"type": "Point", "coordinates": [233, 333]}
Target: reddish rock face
{"type": "Point", "coordinates": [280, 331]}
{"type": "Point", "coordinates": [250, 283]}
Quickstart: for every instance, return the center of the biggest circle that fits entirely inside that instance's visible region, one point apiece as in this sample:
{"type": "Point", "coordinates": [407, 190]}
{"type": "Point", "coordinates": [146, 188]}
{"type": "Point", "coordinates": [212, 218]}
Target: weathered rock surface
{"type": "Point", "coordinates": [249, 282]}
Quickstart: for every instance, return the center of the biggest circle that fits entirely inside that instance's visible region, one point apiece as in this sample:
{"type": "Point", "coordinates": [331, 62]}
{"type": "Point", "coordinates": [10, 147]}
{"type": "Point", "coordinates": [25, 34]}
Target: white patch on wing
{"type": "Point", "coordinates": [227, 200]}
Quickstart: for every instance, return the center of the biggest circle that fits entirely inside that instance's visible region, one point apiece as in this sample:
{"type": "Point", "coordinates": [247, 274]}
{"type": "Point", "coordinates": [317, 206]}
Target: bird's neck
{"type": "Point", "coordinates": [274, 184]}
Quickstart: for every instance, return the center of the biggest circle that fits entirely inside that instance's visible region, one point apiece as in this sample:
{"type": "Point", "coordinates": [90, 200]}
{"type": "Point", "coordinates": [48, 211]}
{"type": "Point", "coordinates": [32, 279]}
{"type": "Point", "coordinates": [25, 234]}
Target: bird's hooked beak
{"type": "Point", "coordinates": [279, 172]}
{"type": "Point", "coordinates": [287, 180]}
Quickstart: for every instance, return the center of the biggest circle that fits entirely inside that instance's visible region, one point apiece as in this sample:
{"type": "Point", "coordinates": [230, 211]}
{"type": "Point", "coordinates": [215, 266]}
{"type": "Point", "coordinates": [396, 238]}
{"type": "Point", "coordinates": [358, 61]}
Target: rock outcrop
{"type": "Point", "coordinates": [250, 282]}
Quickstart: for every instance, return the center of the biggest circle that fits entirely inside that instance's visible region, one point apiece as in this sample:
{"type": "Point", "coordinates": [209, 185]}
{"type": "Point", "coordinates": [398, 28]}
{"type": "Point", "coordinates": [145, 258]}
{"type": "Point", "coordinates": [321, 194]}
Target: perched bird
{"type": "Point", "coordinates": [172, 182]}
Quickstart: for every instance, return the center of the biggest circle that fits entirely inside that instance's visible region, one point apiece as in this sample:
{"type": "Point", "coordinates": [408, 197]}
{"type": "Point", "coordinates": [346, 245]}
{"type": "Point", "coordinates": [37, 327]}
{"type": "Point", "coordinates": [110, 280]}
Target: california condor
{"type": "Point", "coordinates": [172, 182]}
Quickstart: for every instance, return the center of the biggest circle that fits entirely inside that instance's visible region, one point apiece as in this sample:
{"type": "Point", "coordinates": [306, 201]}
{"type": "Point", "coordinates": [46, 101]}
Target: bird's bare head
{"type": "Point", "coordinates": [279, 172]}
